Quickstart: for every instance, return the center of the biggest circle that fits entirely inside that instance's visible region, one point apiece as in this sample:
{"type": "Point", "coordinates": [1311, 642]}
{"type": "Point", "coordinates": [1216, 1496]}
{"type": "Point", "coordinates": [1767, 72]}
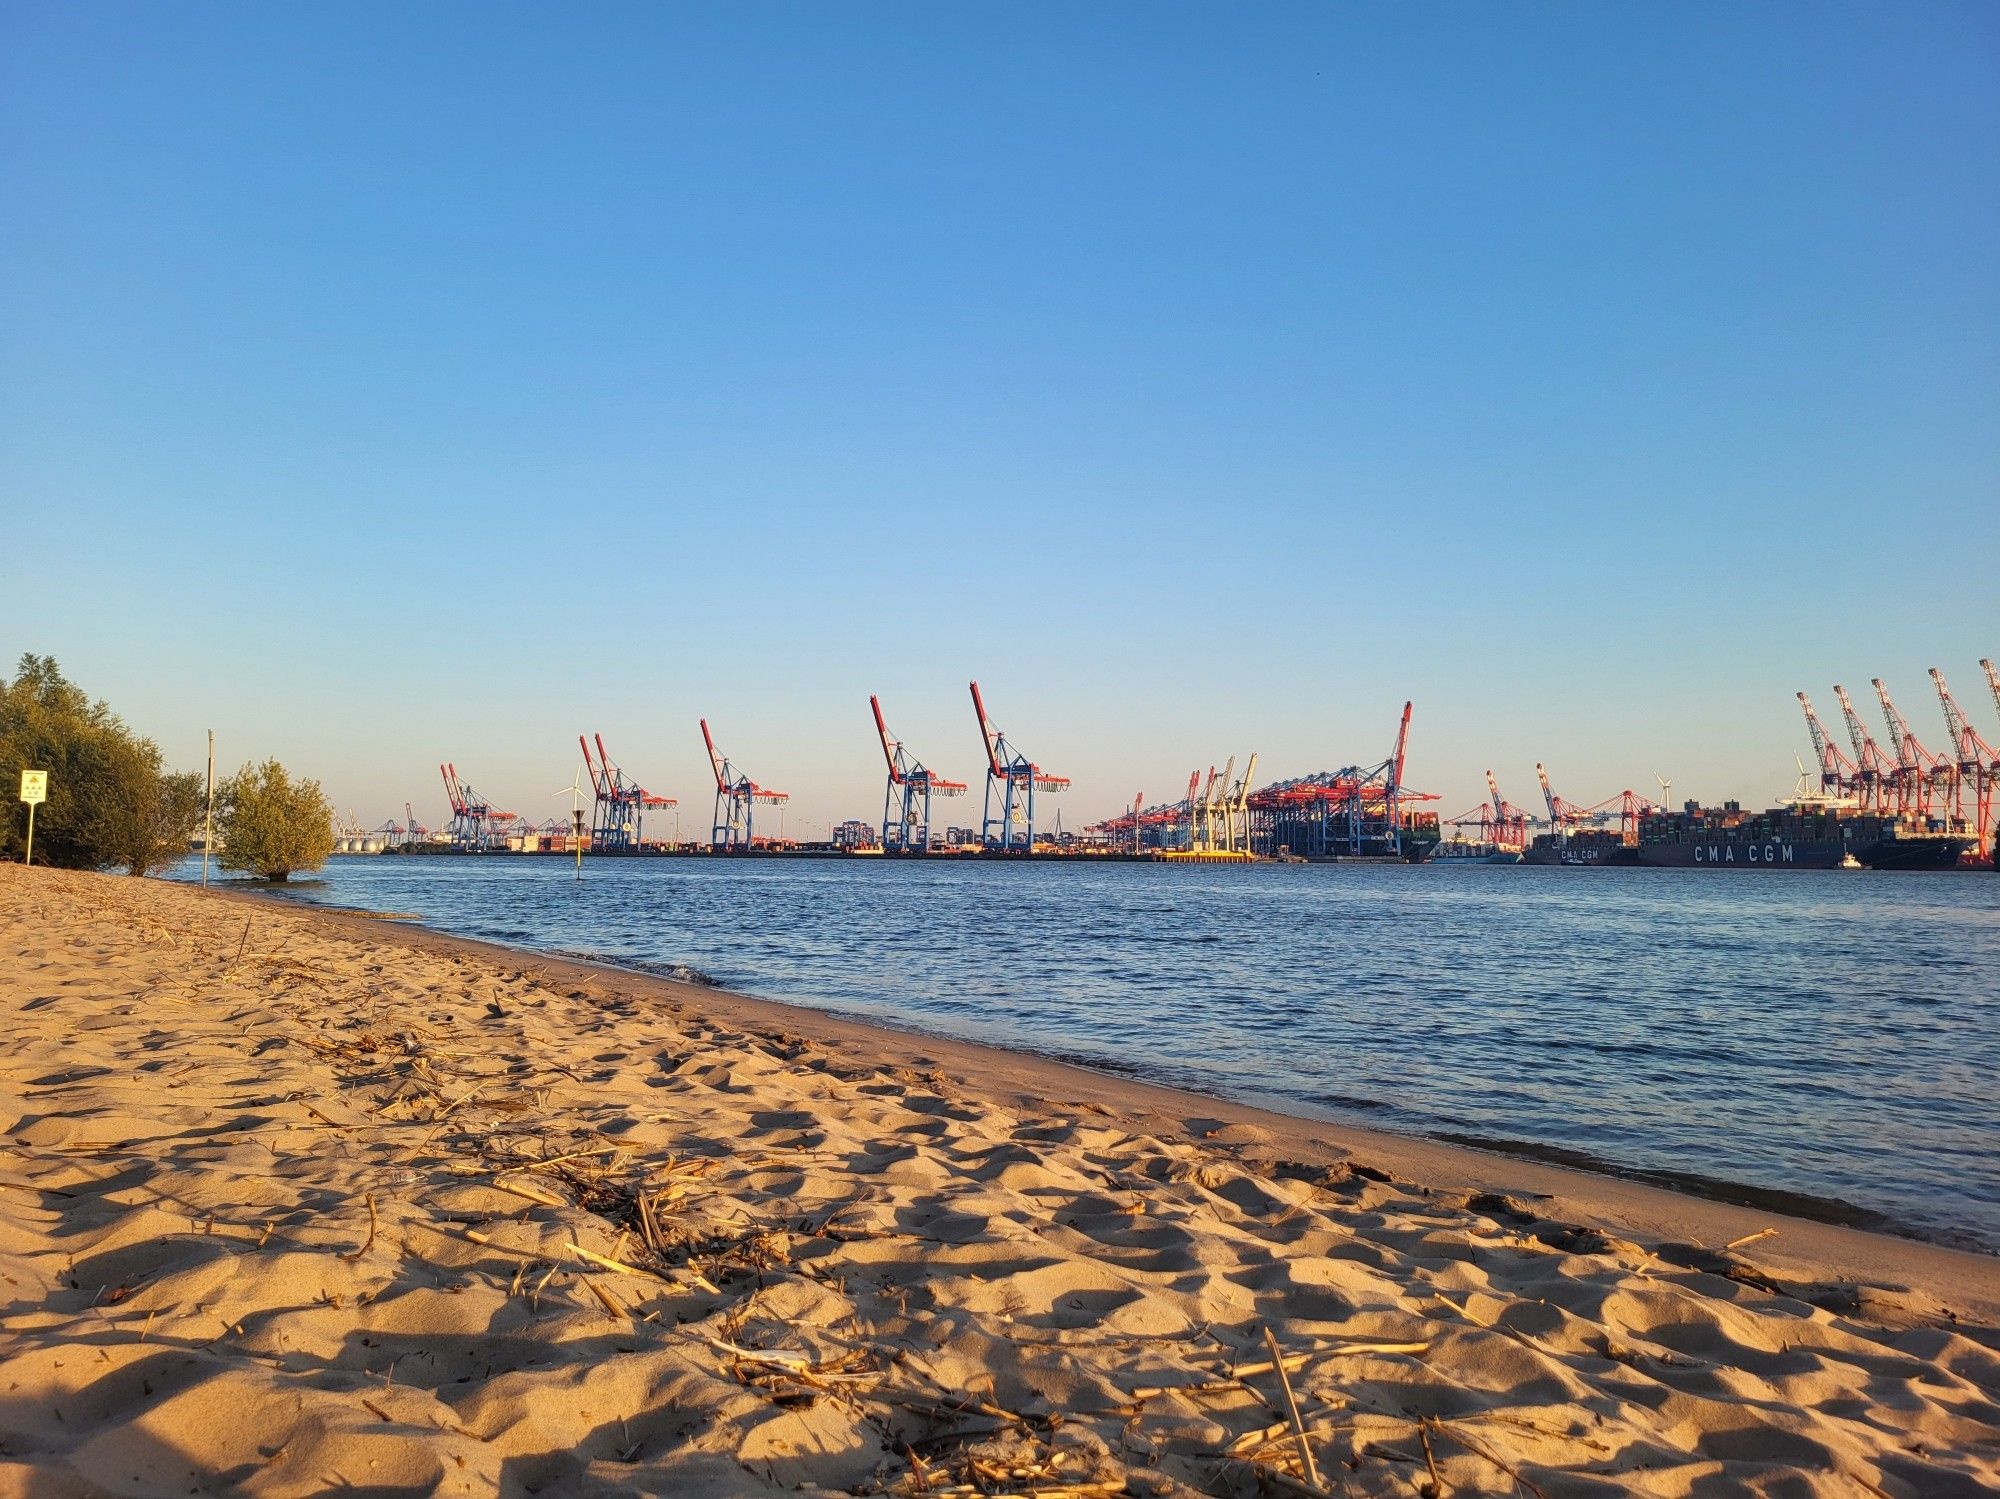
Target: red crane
{"type": "Point", "coordinates": [1018, 778]}
{"type": "Point", "coordinates": [1875, 776]}
{"type": "Point", "coordinates": [1353, 811]}
{"type": "Point", "coordinates": [474, 820]}
{"type": "Point", "coordinates": [736, 800]}
{"type": "Point", "coordinates": [1922, 777]}
{"type": "Point", "coordinates": [1977, 762]}
{"type": "Point", "coordinates": [1628, 808]}
{"type": "Point", "coordinates": [1499, 822]}
{"type": "Point", "coordinates": [906, 800]}
{"type": "Point", "coordinates": [1838, 775]}
{"type": "Point", "coordinates": [619, 817]}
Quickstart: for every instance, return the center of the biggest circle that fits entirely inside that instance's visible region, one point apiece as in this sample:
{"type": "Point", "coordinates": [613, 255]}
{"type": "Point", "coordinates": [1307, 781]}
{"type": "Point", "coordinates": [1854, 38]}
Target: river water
{"type": "Point", "coordinates": [1835, 1036]}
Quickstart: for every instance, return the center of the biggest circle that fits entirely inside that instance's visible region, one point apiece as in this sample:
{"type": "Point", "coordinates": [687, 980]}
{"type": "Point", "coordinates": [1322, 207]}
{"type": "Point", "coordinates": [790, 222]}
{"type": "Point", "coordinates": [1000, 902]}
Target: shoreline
{"type": "Point", "coordinates": [1606, 1197]}
{"type": "Point", "coordinates": [1800, 1207]}
{"type": "Point", "coordinates": [295, 1199]}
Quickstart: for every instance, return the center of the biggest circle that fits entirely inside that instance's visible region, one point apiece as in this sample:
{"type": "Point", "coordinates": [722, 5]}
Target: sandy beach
{"type": "Point", "coordinates": [298, 1201]}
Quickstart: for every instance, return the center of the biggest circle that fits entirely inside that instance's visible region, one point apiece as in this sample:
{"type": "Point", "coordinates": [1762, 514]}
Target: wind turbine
{"type": "Point", "coordinates": [1666, 793]}
{"type": "Point", "coordinates": [574, 791]}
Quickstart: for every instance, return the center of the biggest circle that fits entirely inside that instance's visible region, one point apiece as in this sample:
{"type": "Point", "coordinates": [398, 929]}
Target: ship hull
{"type": "Point", "coordinates": [1800, 853]}
{"type": "Point", "coordinates": [1589, 850]}
{"type": "Point", "coordinates": [1733, 853]}
{"type": "Point", "coordinates": [1444, 853]}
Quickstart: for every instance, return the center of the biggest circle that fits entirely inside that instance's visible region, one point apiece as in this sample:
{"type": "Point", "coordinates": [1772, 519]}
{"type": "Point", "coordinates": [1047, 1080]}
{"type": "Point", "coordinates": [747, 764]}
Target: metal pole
{"type": "Point", "coordinates": [31, 834]}
{"type": "Point", "coordinates": [208, 817]}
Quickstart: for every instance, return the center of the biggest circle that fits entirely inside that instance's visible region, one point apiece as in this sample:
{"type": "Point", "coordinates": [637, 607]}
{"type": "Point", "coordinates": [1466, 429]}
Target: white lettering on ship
{"type": "Point", "coordinates": [1753, 853]}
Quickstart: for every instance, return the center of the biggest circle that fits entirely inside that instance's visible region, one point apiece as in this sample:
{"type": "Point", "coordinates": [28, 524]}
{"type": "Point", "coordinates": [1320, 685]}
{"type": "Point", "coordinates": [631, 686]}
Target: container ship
{"type": "Point", "coordinates": [1471, 851]}
{"type": "Point", "coordinates": [1587, 846]}
{"type": "Point", "coordinates": [1810, 833]}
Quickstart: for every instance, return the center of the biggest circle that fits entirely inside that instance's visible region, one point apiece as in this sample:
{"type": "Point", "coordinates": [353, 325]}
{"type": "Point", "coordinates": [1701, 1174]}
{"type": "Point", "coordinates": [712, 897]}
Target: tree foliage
{"type": "Point", "coordinates": [157, 824]}
{"type": "Point", "coordinates": [110, 802]}
{"type": "Point", "coordinates": [272, 825]}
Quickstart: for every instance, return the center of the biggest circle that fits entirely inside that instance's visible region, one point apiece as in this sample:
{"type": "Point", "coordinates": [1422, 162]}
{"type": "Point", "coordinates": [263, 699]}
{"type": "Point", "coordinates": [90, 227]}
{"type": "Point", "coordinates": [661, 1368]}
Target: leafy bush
{"type": "Point", "coordinates": [271, 825]}
{"type": "Point", "coordinates": [155, 823]}
{"type": "Point", "coordinates": [110, 803]}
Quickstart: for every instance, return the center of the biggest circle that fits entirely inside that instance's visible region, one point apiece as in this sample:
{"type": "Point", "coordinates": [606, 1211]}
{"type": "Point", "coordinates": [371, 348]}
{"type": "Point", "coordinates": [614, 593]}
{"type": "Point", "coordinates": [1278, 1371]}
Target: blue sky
{"type": "Point", "coordinates": [387, 384]}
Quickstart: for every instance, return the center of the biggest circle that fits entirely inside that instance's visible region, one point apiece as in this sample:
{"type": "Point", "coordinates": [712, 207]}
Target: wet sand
{"type": "Point", "coordinates": [294, 1200]}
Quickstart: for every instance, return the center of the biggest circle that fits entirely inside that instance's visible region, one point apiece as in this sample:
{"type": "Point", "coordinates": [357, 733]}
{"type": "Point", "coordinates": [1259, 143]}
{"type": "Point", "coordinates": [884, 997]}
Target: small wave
{"type": "Point", "coordinates": [1819, 1208]}
{"type": "Point", "coordinates": [682, 973]}
{"type": "Point", "coordinates": [1350, 1101]}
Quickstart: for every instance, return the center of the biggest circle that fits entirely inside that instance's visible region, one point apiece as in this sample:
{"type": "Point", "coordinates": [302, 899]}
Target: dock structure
{"type": "Point", "coordinates": [1355, 812]}
{"type": "Point", "coordinates": [906, 797]}
{"type": "Point", "coordinates": [1012, 779]}
{"type": "Point", "coordinates": [1952, 791]}
{"type": "Point", "coordinates": [736, 799]}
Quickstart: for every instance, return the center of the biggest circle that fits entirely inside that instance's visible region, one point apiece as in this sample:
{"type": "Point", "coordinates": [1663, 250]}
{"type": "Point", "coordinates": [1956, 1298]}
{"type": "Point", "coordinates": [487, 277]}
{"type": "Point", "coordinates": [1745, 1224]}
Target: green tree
{"type": "Point", "coordinates": [150, 821]}
{"type": "Point", "coordinates": [272, 825]}
{"type": "Point", "coordinates": [110, 803]}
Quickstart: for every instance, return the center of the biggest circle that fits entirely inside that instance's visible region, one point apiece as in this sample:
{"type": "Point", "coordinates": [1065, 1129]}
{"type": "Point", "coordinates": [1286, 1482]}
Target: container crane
{"type": "Point", "coordinates": [1510, 824]}
{"type": "Point", "coordinates": [474, 820]}
{"type": "Point", "coordinates": [1499, 821]}
{"type": "Point", "coordinates": [736, 798]}
{"type": "Point", "coordinates": [1206, 835]}
{"type": "Point", "coordinates": [414, 833]}
{"type": "Point", "coordinates": [1628, 808]}
{"type": "Point", "coordinates": [1875, 776]}
{"type": "Point", "coordinates": [1353, 812]}
{"type": "Point", "coordinates": [1161, 827]}
{"type": "Point", "coordinates": [1977, 762]}
{"type": "Point", "coordinates": [1563, 815]}
{"type": "Point", "coordinates": [618, 818]}
{"type": "Point", "coordinates": [1236, 811]}
{"type": "Point", "coordinates": [906, 798]}
{"type": "Point", "coordinates": [1016, 779]}
{"type": "Point", "coordinates": [1924, 777]}
{"type": "Point", "coordinates": [1838, 775]}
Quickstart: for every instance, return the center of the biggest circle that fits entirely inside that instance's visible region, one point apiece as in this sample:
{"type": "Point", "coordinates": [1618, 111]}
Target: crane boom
{"type": "Point", "coordinates": [1992, 680]}
{"type": "Point", "coordinates": [1815, 729]}
{"type": "Point", "coordinates": [1963, 736]}
{"type": "Point", "coordinates": [889, 745]}
{"type": "Point", "coordinates": [714, 759]}
{"type": "Point", "coordinates": [1866, 751]}
{"type": "Point", "coordinates": [1909, 753]}
{"type": "Point", "coordinates": [1837, 773]}
{"type": "Point", "coordinates": [987, 733]}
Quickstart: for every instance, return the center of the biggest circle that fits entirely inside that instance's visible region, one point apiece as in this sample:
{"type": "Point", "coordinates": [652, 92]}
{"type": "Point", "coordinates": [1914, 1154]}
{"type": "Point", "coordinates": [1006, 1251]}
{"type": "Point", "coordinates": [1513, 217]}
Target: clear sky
{"type": "Point", "coordinates": [387, 384]}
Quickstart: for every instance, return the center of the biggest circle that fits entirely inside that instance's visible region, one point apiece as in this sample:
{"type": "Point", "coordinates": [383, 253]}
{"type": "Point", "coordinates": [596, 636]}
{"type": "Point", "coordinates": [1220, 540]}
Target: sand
{"type": "Point", "coordinates": [297, 1201]}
